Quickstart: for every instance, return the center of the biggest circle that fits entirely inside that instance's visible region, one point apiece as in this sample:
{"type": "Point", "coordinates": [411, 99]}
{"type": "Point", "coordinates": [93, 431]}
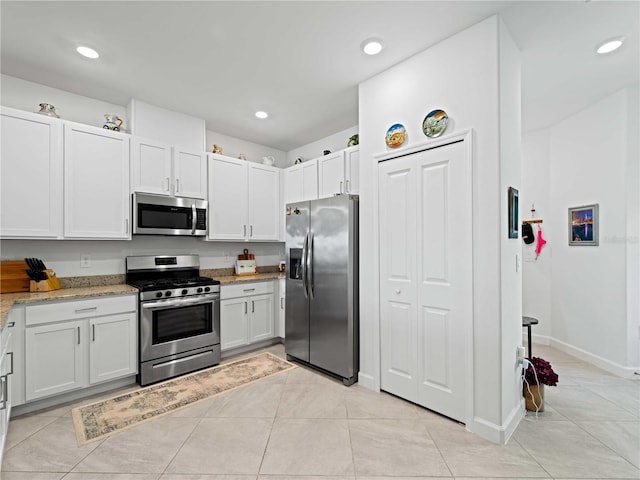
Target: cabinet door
{"type": "Point", "coordinates": [112, 347]}
{"type": "Point", "coordinates": [352, 171]}
{"type": "Point", "coordinates": [309, 180]}
{"type": "Point", "coordinates": [31, 175]}
{"type": "Point", "coordinates": [280, 308]}
{"type": "Point", "coordinates": [293, 185]}
{"type": "Point", "coordinates": [54, 358]}
{"type": "Point", "coordinates": [261, 320]}
{"type": "Point", "coordinates": [264, 202]}
{"type": "Point", "coordinates": [233, 323]}
{"type": "Point", "coordinates": [190, 173]}
{"type": "Point", "coordinates": [227, 199]}
{"type": "Point", "coordinates": [331, 175]}
{"type": "Point", "coordinates": [151, 166]}
{"type": "Point", "coordinates": [96, 181]}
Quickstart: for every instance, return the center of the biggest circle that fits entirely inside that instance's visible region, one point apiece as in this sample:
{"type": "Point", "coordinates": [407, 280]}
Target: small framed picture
{"type": "Point", "coordinates": [583, 225]}
{"type": "Point", "coordinates": [513, 213]}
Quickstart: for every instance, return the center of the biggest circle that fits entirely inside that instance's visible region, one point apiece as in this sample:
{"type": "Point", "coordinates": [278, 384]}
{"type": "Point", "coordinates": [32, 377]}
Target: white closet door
{"type": "Point", "coordinates": [444, 277]}
{"type": "Point", "coordinates": [398, 264]}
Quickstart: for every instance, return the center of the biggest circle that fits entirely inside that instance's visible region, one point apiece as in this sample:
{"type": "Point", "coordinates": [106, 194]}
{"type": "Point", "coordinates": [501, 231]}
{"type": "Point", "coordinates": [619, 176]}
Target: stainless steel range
{"type": "Point", "coordinates": [179, 313]}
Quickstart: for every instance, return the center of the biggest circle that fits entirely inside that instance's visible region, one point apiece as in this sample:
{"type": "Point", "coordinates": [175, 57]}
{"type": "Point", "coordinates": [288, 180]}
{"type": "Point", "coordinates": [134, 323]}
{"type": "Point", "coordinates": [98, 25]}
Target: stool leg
{"type": "Point", "coordinates": [529, 341]}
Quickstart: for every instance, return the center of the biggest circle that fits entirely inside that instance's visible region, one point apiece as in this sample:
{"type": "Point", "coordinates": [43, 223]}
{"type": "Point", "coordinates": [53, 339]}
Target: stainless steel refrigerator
{"type": "Point", "coordinates": [321, 315]}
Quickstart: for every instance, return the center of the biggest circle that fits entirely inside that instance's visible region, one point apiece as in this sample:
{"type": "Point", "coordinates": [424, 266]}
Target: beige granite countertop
{"type": "Point", "coordinates": [75, 288]}
{"type": "Point", "coordinates": [7, 300]}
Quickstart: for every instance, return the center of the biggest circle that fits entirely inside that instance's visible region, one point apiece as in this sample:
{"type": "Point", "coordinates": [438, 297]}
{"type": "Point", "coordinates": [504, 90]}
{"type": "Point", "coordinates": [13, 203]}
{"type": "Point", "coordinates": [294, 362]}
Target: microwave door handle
{"type": "Point", "coordinates": [194, 217]}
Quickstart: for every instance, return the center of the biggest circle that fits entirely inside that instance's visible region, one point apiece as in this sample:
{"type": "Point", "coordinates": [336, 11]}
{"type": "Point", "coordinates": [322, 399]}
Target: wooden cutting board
{"type": "Point", "coordinates": [13, 276]}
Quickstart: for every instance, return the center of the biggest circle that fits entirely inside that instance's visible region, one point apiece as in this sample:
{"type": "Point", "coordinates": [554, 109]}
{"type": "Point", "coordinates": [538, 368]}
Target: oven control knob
{"type": "Point", "coordinates": [159, 294]}
{"type": "Point", "coordinates": [199, 290]}
{"type": "Point", "coordinates": [206, 289]}
{"type": "Point", "coordinates": [185, 291]}
{"type": "Point", "coordinates": [167, 293]}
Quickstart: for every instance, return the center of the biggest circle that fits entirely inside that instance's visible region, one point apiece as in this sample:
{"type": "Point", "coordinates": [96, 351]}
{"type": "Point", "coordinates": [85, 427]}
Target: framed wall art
{"type": "Point", "coordinates": [513, 213]}
{"type": "Point", "coordinates": [583, 225]}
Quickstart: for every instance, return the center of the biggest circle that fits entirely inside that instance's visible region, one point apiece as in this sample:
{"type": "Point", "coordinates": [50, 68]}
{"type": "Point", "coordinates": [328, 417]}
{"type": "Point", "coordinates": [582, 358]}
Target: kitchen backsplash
{"type": "Point", "coordinates": [107, 258]}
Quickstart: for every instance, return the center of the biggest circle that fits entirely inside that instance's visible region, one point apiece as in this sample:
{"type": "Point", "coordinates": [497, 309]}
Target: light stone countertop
{"type": "Point", "coordinates": [8, 300]}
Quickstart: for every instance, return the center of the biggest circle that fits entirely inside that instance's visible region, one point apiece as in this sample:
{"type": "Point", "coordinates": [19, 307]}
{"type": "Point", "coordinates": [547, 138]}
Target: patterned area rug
{"type": "Point", "coordinates": [107, 417]}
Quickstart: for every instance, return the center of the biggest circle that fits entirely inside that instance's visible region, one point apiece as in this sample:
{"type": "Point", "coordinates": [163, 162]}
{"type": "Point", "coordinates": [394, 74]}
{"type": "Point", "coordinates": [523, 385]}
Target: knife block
{"type": "Point", "coordinates": [51, 283]}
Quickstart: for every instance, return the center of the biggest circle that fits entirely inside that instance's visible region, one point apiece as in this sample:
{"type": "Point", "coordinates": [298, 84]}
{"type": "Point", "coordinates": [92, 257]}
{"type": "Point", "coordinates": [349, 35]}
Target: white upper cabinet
{"type": "Point", "coordinates": [264, 202]}
{"type": "Point", "coordinates": [165, 170]}
{"type": "Point", "coordinates": [190, 173]}
{"type": "Point", "coordinates": [150, 166]}
{"type": "Point", "coordinates": [301, 182]}
{"type": "Point", "coordinates": [96, 183]}
{"type": "Point", "coordinates": [338, 173]}
{"type": "Point", "coordinates": [244, 200]}
{"type": "Point", "coordinates": [31, 175]}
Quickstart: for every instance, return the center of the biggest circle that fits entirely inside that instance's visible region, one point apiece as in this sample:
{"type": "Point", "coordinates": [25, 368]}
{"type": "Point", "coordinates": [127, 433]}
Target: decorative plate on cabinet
{"type": "Point", "coordinates": [396, 135]}
{"type": "Point", "coordinates": [435, 123]}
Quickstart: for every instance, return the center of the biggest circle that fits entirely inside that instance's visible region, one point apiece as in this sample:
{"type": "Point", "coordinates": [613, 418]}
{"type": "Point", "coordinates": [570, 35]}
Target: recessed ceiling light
{"type": "Point", "coordinates": [87, 52]}
{"type": "Point", "coordinates": [371, 46]}
{"type": "Point", "coordinates": [610, 45]}
{"type": "Point", "coordinates": [261, 114]}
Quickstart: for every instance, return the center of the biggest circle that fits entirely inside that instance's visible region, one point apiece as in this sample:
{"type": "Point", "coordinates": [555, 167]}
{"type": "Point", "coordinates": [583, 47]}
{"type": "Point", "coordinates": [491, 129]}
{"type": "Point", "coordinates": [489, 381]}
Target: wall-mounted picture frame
{"type": "Point", "coordinates": [513, 213]}
{"type": "Point", "coordinates": [583, 225]}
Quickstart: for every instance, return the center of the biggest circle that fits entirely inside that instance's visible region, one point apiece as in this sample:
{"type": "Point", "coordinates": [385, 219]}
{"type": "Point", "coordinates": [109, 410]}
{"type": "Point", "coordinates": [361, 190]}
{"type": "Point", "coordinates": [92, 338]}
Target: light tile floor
{"type": "Point", "coordinates": [303, 425]}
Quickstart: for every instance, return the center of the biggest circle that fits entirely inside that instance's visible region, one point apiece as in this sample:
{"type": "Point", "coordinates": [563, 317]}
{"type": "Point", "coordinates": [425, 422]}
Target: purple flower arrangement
{"type": "Point", "coordinates": [544, 372]}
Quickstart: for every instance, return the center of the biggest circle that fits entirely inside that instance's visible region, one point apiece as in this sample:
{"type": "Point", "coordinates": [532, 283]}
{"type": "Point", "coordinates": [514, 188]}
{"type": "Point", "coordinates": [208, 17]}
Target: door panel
{"type": "Point", "coordinates": [398, 343]}
{"type": "Point", "coordinates": [297, 305]}
{"type": "Point", "coordinates": [332, 312]}
{"type": "Point", "coordinates": [444, 293]}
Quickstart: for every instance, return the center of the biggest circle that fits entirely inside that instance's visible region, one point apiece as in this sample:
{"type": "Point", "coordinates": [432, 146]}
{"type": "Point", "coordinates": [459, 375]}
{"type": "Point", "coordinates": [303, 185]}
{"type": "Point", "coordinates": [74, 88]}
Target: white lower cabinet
{"type": "Point", "coordinates": [246, 314]}
{"type": "Point", "coordinates": [6, 371]}
{"type": "Point", "coordinates": [72, 345]}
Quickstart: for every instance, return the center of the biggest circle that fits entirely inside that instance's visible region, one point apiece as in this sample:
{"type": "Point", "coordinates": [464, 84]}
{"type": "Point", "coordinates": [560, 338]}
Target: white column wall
{"type": "Point", "coordinates": [460, 75]}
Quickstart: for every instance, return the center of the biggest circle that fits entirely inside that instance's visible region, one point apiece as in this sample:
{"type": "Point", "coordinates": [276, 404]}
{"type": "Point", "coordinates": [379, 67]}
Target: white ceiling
{"type": "Point", "coordinates": [299, 60]}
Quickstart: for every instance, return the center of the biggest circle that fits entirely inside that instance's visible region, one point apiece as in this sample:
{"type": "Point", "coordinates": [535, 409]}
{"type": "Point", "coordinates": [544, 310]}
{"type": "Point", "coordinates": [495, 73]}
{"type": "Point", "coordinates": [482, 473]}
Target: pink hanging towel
{"type": "Point", "coordinates": [541, 242]}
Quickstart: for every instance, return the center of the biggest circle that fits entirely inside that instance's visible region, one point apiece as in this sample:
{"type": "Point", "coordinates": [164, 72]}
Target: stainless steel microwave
{"type": "Point", "coordinates": [160, 215]}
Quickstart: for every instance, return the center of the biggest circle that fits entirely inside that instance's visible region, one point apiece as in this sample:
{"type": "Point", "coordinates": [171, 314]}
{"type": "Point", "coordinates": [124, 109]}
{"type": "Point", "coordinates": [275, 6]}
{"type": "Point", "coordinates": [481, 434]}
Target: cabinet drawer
{"type": "Point", "coordinates": [246, 289]}
{"type": "Point", "coordinates": [93, 307]}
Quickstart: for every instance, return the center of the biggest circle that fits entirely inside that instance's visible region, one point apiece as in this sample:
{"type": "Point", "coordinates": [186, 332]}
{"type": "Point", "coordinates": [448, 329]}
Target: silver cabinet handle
{"type": "Point", "coordinates": [83, 310]}
{"type": "Point", "coordinates": [11, 372]}
{"type": "Point", "coordinates": [78, 335]}
{"type": "Point", "coordinates": [177, 185]}
{"type": "Point", "coordinates": [11, 324]}
{"type": "Point", "coordinates": [347, 186]}
{"type": "Point", "coordinates": [168, 184]}
{"type": "Point", "coordinates": [281, 303]}
{"type": "Point", "coordinates": [245, 308]}
{"type": "Point", "coordinates": [253, 306]}
{"type": "Point", "coordinates": [398, 291]}
{"type": "Point", "coordinates": [251, 230]}
{"type": "Point", "coordinates": [93, 332]}
{"type": "Point", "coordinates": [249, 290]}
{"type": "Point", "coordinates": [340, 187]}
{"type": "Point", "coordinates": [5, 392]}
{"type": "Point", "coordinates": [126, 225]}
{"type": "Point", "coordinates": [244, 230]}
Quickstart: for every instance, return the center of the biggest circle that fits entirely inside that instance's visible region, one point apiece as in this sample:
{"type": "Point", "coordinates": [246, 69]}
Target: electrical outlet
{"type": "Point", "coordinates": [520, 354]}
{"type": "Point", "coordinates": [85, 261]}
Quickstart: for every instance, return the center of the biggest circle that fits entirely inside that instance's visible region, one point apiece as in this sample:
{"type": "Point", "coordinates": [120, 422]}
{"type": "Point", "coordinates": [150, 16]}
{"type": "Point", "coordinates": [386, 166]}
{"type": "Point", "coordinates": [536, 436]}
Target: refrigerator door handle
{"type": "Point", "coordinates": [305, 288]}
{"type": "Point", "coordinates": [310, 265]}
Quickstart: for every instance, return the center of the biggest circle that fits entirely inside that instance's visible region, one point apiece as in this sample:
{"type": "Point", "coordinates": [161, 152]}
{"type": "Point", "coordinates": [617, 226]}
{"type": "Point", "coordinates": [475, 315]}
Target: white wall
{"type": "Point", "coordinates": [24, 95]}
{"type": "Point", "coordinates": [592, 162]}
{"type": "Point", "coordinates": [108, 257]}
{"type": "Point", "coordinates": [232, 147]}
{"type": "Point", "coordinates": [467, 87]}
{"type": "Point", "coordinates": [536, 276]}
{"type": "Point", "coordinates": [334, 142]}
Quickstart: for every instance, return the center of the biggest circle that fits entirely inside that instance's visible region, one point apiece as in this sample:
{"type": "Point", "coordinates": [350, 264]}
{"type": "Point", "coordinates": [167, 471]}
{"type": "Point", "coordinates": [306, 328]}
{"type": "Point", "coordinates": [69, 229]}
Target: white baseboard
{"type": "Point", "coordinates": [368, 381]}
{"type": "Point", "coordinates": [499, 434]}
{"type": "Point", "coordinates": [598, 361]}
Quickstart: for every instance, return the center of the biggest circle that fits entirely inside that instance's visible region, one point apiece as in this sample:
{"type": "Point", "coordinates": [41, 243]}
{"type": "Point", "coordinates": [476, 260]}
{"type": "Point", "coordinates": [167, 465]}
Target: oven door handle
{"type": "Point", "coordinates": [179, 303]}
